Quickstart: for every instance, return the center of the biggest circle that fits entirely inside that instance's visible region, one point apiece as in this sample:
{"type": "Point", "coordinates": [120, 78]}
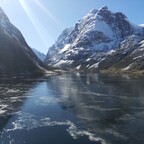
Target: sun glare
{"type": "Point", "coordinates": [35, 21]}
{"type": "Point", "coordinates": [49, 14]}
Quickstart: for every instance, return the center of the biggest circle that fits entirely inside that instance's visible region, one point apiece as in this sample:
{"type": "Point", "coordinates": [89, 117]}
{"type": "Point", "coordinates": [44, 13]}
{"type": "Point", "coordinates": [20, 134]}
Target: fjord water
{"type": "Point", "coordinates": [73, 108]}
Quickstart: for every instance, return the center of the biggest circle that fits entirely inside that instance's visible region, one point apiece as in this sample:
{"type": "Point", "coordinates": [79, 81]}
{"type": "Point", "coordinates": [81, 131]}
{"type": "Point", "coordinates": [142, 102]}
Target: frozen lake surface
{"type": "Point", "coordinates": [73, 108]}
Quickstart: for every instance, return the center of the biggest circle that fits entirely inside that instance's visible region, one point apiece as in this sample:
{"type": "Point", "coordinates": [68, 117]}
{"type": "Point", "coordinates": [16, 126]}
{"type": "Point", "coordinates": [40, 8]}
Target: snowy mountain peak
{"type": "Point", "coordinates": [64, 35]}
{"type": "Point", "coordinates": [103, 8]}
{"type": "Point", "coordinates": [101, 12]}
{"type": "Point", "coordinates": [141, 25]}
{"type": "Point", "coordinates": [93, 11]}
{"type": "Point", "coordinates": [99, 32]}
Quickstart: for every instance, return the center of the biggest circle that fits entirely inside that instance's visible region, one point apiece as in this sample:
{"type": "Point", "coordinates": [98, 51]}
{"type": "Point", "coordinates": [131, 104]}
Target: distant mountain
{"type": "Point", "coordinates": [39, 54]}
{"type": "Point", "coordinates": [92, 40]}
{"type": "Point", "coordinates": [16, 57]}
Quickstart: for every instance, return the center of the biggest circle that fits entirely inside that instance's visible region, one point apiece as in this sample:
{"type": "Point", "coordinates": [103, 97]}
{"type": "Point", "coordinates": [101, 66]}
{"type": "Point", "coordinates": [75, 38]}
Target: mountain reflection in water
{"type": "Point", "coordinates": [73, 108]}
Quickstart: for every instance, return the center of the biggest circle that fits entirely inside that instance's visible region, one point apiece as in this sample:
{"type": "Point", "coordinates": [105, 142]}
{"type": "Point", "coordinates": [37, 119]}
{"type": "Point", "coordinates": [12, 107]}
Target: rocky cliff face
{"type": "Point", "coordinates": [129, 57]}
{"type": "Point", "coordinates": [99, 34]}
{"type": "Point", "coordinates": [16, 57]}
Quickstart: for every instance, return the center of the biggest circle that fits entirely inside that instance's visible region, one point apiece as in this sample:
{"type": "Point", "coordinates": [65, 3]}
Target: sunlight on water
{"type": "Point", "coordinates": [72, 108]}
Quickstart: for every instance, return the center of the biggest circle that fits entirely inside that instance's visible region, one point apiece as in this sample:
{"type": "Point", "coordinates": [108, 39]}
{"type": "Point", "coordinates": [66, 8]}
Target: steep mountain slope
{"type": "Point", "coordinates": [39, 54]}
{"type": "Point", "coordinates": [129, 57]}
{"type": "Point", "coordinates": [92, 39]}
{"type": "Point", "coordinates": [16, 57]}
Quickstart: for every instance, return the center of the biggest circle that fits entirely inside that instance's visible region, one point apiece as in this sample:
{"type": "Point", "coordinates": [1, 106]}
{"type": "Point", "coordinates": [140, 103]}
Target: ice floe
{"type": "Point", "coordinates": [28, 121]}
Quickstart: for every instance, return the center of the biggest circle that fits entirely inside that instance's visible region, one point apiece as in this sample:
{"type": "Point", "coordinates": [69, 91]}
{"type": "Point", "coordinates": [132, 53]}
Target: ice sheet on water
{"type": "Point", "coordinates": [13, 90]}
{"type": "Point", "coordinates": [3, 108]}
{"type": "Point", "coordinates": [28, 121]}
{"type": "Point", "coordinates": [76, 133]}
{"type": "Point", "coordinates": [2, 111]}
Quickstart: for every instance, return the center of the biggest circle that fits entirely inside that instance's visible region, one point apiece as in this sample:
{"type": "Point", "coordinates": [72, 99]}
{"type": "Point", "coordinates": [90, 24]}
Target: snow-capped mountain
{"type": "Point", "coordinates": [39, 54]}
{"type": "Point", "coordinates": [16, 57]}
{"type": "Point", "coordinates": [91, 40]}
{"type": "Point", "coordinates": [129, 57]}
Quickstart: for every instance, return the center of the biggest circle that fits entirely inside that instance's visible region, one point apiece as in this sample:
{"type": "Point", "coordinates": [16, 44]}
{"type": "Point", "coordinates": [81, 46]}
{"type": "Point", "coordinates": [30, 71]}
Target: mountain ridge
{"type": "Point", "coordinates": [39, 54]}
{"type": "Point", "coordinates": [92, 38]}
{"type": "Point", "coordinates": [16, 57]}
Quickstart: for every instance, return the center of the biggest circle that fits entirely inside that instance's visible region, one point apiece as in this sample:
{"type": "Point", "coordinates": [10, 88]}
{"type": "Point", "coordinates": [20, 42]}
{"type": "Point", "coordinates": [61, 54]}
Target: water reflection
{"type": "Point", "coordinates": [13, 93]}
{"type": "Point", "coordinates": [110, 106]}
{"type": "Point", "coordinates": [30, 122]}
{"type": "Point", "coordinates": [73, 108]}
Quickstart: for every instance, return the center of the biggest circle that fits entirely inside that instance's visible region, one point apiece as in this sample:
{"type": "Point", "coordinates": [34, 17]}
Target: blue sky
{"type": "Point", "coordinates": [42, 21]}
